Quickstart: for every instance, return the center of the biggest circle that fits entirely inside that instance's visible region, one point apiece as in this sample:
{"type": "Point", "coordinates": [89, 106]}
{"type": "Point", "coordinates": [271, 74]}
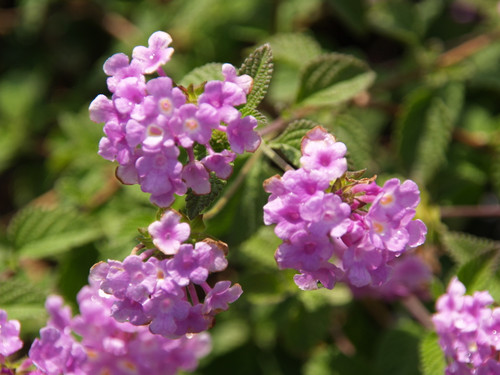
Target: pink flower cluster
{"type": "Point", "coordinates": [469, 331]}
{"type": "Point", "coordinates": [322, 217]}
{"type": "Point", "coordinates": [164, 294]}
{"type": "Point", "coordinates": [107, 346]}
{"type": "Point", "coordinates": [146, 122]}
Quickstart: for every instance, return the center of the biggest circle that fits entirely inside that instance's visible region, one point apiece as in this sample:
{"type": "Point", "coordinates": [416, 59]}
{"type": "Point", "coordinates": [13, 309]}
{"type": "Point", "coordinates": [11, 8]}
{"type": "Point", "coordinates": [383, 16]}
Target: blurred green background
{"type": "Point", "coordinates": [432, 115]}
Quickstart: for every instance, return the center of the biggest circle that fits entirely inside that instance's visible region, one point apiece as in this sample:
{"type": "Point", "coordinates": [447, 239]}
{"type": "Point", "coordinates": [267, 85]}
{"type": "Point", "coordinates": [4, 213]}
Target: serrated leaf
{"type": "Point", "coordinates": [351, 132]}
{"type": "Point", "coordinates": [397, 353]}
{"type": "Point", "coordinates": [196, 204]}
{"type": "Point", "coordinates": [31, 316]}
{"type": "Point", "coordinates": [332, 79]}
{"type": "Point", "coordinates": [496, 169]}
{"type": "Point", "coordinates": [433, 142]}
{"type": "Point", "coordinates": [58, 243]}
{"type": "Point", "coordinates": [20, 290]}
{"type": "Point", "coordinates": [464, 247]}
{"type": "Point", "coordinates": [259, 66]}
{"type": "Point", "coordinates": [352, 13]}
{"type": "Point", "coordinates": [288, 142]}
{"type": "Point", "coordinates": [432, 360]}
{"type": "Point", "coordinates": [262, 120]}
{"type": "Point", "coordinates": [294, 49]}
{"type": "Point", "coordinates": [480, 273]}
{"type": "Point", "coordinates": [425, 127]}
{"type": "Point", "coordinates": [37, 232]}
{"type": "Point", "coordinates": [399, 19]}
{"type": "Point", "coordinates": [207, 72]}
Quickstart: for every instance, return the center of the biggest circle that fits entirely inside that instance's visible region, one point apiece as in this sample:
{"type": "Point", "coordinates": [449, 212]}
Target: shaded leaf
{"type": "Point", "coordinates": [481, 273]}
{"type": "Point", "coordinates": [196, 204]}
{"type": "Point", "coordinates": [352, 13]}
{"type": "Point", "coordinates": [294, 49]}
{"type": "Point", "coordinates": [464, 247]}
{"type": "Point", "coordinates": [432, 360]}
{"type": "Point", "coordinates": [332, 79]}
{"type": "Point", "coordinates": [425, 126]}
{"type": "Point", "coordinates": [37, 232]}
{"type": "Point", "coordinates": [259, 249]}
{"type": "Point", "coordinates": [351, 132]}
{"type": "Point", "coordinates": [397, 353]}
{"type": "Point", "coordinates": [399, 19]}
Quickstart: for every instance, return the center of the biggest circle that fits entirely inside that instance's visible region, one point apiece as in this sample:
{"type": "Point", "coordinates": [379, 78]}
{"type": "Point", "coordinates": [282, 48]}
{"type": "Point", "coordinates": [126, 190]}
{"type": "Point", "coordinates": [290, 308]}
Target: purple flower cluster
{"type": "Point", "coordinates": [147, 121]}
{"type": "Point", "coordinates": [9, 334]}
{"type": "Point", "coordinates": [9, 337]}
{"type": "Point", "coordinates": [469, 331]}
{"type": "Point", "coordinates": [322, 217]}
{"type": "Point", "coordinates": [107, 346]}
{"type": "Point", "coordinates": [164, 294]}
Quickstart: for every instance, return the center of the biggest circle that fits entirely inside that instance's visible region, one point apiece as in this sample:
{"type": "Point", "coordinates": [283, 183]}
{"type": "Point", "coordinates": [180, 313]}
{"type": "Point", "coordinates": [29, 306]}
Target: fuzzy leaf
{"type": "Point", "coordinates": [496, 169]}
{"type": "Point", "coordinates": [207, 72]}
{"type": "Point", "coordinates": [196, 204]}
{"type": "Point", "coordinates": [397, 353]}
{"type": "Point", "coordinates": [259, 66]}
{"type": "Point", "coordinates": [262, 120]}
{"type": "Point", "coordinates": [294, 49]}
{"type": "Point", "coordinates": [398, 19]}
{"type": "Point", "coordinates": [481, 273]}
{"type": "Point", "coordinates": [37, 232]}
{"type": "Point", "coordinates": [432, 360]}
{"type": "Point", "coordinates": [425, 127]}
{"type": "Point", "coordinates": [464, 247]}
{"type": "Point", "coordinates": [352, 13]}
{"type": "Point", "coordinates": [288, 142]}
{"type": "Point", "coordinates": [350, 131]}
{"type": "Point", "coordinates": [332, 79]}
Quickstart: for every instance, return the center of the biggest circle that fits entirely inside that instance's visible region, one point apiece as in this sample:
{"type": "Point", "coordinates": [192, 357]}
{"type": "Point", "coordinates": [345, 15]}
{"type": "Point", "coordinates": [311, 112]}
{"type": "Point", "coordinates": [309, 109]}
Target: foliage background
{"type": "Point", "coordinates": [431, 114]}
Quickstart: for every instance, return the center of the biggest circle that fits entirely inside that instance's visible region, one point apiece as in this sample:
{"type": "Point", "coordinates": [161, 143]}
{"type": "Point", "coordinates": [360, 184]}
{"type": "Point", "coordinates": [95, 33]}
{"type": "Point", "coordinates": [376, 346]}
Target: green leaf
{"type": "Point", "coordinates": [259, 249]}
{"type": "Point", "coordinates": [397, 352]}
{"type": "Point", "coordinates": [259, 66]}
{"type": "Point", "coordinates": [196, 204]}
{"type": "Point", "coordinates": [207, 72]}
{"type": "Point", "coordinates": [352, 13]}
{"type": "Point", "coordinates": [350, 131]}
{"type": "Point", "coordinates": [425, 127]}
{"type": "Point", "coordinates": [254, 197]}
{"type": "Point", "coordinates": [288, 142]}
{"type": "Point", "coordinates": [399, 19]}
{"type": "Point", "coordinates": [495, 161]}
{"type": "Point", "coordinates": [294, 49]}
{"type": "Point", "coordinates": [24, 300]}
{"type": "Point", "coordinates": [464, 247]}
{"type": "Point", "coordinates": [37, 232]}
{"type": "Point", "coordinates": [229, 335]}
{"type": "Point", "coordinates": [432, 360]}
{"type": "Point", "coordinates": [332, 79]}
{"type": "Point", "coordinates": [261, 118]}
{"type": "Point", "coordinates": [481, 273]}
